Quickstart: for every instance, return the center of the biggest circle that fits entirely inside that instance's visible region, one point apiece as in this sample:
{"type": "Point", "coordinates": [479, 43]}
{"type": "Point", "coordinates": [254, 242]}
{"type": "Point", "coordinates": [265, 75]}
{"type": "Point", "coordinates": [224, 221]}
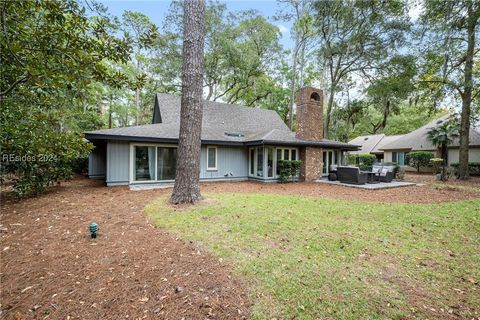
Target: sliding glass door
{"type": "Point", "coordinates": [154, 163]}
{"type": "Point", "coordinates": [144, 163]}
{"type": "Point", "coordinates": [166, 163]}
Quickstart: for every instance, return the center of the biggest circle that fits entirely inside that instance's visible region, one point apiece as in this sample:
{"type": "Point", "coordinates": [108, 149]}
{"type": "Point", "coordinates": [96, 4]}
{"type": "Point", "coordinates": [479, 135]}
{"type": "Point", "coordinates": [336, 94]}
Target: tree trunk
{"type": "Point", "coordinates": [302, 65]}
{"type": "Point", "coordinates": [187, 176]}
{"type": "Point", "coordinates": [386, 112]}
{"type": "Point", "coordinates": [110, 111]}
{"type": "Point", "coordinates": [463, 173]}
{"type": "Point", "coordinates": [329, 111]}
{"type": "Point", "coordinates": [292, 84]}
{"type": "Point", "coordinates": [137, 94]}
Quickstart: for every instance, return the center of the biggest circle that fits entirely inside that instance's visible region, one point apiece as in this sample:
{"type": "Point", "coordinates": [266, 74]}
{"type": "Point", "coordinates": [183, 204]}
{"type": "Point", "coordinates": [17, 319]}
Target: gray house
{"type": "Point", "coordinates": [238, 143]}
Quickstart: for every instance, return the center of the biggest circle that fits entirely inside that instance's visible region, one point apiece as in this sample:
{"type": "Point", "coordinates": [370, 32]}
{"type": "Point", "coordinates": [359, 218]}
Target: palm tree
{"type": "Point", "coordinates": [443, 135]}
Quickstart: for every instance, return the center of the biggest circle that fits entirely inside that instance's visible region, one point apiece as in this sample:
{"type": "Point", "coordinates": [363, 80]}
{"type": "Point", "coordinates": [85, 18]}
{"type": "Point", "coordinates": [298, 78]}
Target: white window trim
{"type": "Point", "coordinates": [131, 168]}
{"type": "Point", "coordinates": [297, 156]}
{"type": "Point", "coordinates": [216, 159]}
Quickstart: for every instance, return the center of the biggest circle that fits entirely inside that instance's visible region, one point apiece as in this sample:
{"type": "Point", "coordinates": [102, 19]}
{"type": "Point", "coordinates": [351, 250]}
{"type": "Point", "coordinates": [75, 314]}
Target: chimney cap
{"type": "Point", "coordinates": [309, 95]}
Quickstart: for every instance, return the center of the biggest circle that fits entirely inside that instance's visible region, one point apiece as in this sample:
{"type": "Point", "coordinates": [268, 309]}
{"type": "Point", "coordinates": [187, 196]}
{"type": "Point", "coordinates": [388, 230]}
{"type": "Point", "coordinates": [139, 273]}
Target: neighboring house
{"type": "Point", "coordinates": [372, 144]}
{"type": "Point", "coordinates": [394, 148]}
{"type": "Point", "coordinates": [238, 143]}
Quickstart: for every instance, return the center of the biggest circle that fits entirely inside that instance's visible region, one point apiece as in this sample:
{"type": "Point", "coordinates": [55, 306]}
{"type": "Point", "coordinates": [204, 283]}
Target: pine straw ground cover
{"type": "Point", "coordinates": [318, 258]}
{"type": "Point", "coordinates": [51, 269]}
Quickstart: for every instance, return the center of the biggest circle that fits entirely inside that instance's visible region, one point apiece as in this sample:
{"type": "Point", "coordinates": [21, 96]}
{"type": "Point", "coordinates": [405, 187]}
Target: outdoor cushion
{"type": "Point", "coordinates": [376, 169]}
{"type": "Point", "coordinates": [333, 167]}
{"type": "Point", "coordinates": [351, 175]}
{"type": "Point", "coordinates": [384, 172]}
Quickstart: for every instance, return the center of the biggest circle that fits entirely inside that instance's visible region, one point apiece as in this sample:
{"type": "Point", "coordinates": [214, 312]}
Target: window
{"type": "Point", "coordinates": [144, 163]}
{"type": "Point", "coordinates": [153, 163]}
{"type": "Point", "coordinates": [284, 154]}
{"type": "Point", "coordinates": [279, 158]}
{"type": "Point", "coordinates": [401, 158]}
{"type": "Point", "coordinates": [166, 163]}
{"type": "Point", "coordinates": [269, 162]}
{"type": "Point", "coordinates": [252, 161]}
{"type": "Point", "coordinates": [398, 158]}
{"type": "Point", "coordinates": [293, 154]}
{"type": "Point", "coordinates": [260, 162]}
{"type": "Point", "coordinates": [211, 158]}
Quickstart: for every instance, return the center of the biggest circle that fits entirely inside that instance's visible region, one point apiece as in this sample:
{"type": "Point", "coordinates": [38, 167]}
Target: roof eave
{"type": "Point", "coordinates": [102, 137]}
{"type": "Point", "coordinates": [302, 144]}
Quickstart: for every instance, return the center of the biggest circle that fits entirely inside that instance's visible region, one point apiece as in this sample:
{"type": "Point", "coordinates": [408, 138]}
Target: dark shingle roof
{"type": "Point", "coordinates": [256, 126]}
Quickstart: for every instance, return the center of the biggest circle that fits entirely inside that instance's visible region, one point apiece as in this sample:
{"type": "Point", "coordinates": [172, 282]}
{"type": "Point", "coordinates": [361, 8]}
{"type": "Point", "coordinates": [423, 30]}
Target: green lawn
{"type": "Point", "coordinates": [310, 258]}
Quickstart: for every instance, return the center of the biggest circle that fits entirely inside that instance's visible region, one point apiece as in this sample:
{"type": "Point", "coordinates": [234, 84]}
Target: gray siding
{"type": "Point", "coordinates": [97, 162]}
{"type": "Point", "coordinates": [232, 163]}
{"type": "Point", "coordinates": [118, 159]}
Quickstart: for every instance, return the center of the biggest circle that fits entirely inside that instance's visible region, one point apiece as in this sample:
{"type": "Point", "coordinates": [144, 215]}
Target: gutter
{"type": "Point", "coordinates": [102, 137]}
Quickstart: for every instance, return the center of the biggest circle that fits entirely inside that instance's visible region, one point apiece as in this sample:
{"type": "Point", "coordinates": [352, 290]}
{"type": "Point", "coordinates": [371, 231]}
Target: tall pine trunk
{"type": "Point", "coordinates": [292, 84]}
{"type": "Point", "coordinates": [328, 115]}
{"type": "Point", "coordinates": [137, 94]}
{"type": "Point", "coordinates": [463, 173]}
{"type": "Point", "coordinates": [187, 188]}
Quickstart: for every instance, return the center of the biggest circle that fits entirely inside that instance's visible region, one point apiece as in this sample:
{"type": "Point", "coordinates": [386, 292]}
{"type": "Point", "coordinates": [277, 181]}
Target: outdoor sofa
{"type": "Point", "coordinates": [351, 175]}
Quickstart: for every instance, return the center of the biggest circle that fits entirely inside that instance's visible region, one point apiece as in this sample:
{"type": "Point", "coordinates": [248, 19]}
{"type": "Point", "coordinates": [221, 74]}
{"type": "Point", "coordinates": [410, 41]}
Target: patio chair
{"type": "Point", "coordinates": [351, 175]}
{"type": "Point", "coordinates": [332, 175]}
{"type": "Point", "coordinates": [386, 174]}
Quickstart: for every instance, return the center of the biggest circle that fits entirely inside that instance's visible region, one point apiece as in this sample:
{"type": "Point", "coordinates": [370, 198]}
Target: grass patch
{"type": "Point", "coordinates": [311, 258]}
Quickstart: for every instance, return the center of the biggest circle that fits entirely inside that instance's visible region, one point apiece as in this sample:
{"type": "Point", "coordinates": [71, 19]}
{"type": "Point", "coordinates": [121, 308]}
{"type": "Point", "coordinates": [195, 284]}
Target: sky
{"type": "Point", "coordinates": [156, 11]}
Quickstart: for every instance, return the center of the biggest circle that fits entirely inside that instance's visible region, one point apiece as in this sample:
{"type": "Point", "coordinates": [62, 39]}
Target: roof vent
{"type": "Point", "coordinates": [439, 121]}
{"type": "Point", "coordinates": [234, 134]}
{"type": "Point", "coordinates": [365, 139]}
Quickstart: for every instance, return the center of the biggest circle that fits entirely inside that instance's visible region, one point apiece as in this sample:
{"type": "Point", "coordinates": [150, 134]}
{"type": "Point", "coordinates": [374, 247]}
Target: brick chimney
{"type": "Point", "coordinates": [310, 127]}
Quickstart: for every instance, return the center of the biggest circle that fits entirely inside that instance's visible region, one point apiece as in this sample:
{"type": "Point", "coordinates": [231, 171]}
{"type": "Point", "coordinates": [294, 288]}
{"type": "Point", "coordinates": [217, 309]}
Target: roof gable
{"type": "Point", "coordinates": [157, 116]}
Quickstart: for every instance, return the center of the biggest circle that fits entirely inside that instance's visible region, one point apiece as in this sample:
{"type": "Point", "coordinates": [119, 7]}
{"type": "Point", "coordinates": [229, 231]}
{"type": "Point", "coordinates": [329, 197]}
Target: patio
{"type": "Point", "coordinates": [370, 186]}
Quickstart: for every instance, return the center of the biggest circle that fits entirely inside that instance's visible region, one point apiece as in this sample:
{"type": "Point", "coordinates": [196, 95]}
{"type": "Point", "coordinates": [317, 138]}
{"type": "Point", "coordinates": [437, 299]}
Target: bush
{"type": "Point", "coordinates": [419, 159]}
{"type": "Point", "coordinates": [473, 167]}
{"type": "Point", "coordinates": [35, 149]}
{"type": "Point", "coordinates": [442, 172]}
{"type": "Point", "coordinates": [400, 173]}
{"type": "Point", "coordinates": [363, 161]}
{"type": "Point", "coordinates": [289, 168]}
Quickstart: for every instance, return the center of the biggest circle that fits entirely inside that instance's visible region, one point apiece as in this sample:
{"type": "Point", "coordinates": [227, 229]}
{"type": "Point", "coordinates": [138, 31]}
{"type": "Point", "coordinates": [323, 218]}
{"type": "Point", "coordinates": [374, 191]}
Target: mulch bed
{"type": "Point", "coordinates": [51, 269]}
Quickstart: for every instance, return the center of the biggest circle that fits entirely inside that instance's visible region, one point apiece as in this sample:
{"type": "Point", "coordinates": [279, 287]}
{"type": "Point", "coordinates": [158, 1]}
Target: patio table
{"type": "Point", "coordinates": [371, 177]}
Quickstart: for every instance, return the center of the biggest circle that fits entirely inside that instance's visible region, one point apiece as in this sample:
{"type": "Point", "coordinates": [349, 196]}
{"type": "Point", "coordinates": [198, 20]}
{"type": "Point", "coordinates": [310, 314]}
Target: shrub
{"type": "Point", "coordinates": [473, 168]}
{"type": "Point", "coordinates": [36, 151]}
{"type": "Point", "coordinates": [289, 169]}
{"type": "Point", "coordinates": [442, 172]}
{"type": "Point", "coordinates": [363, 161]}
{"type": "Point", "coordinates": [419, 159]}
{"type": "Point", "coordinates": [400, 173]}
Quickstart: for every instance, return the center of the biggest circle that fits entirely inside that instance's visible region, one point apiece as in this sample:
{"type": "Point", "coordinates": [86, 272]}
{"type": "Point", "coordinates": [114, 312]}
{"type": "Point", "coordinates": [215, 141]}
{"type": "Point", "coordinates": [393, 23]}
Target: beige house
{"type": "Point", "coordinates": [373, 144]}
{"type": "Point", "coordinates": [394, 148]}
